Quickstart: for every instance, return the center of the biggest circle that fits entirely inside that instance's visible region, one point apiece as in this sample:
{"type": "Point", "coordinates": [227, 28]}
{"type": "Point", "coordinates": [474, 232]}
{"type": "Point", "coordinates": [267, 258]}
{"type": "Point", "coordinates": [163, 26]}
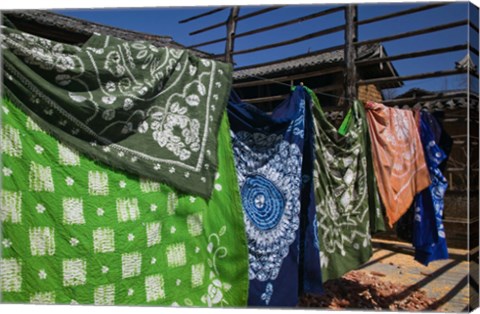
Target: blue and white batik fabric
{"type": "Point", "coordinates": [429, 232]}
{"type": "Point", "coordinates": [274, 162]}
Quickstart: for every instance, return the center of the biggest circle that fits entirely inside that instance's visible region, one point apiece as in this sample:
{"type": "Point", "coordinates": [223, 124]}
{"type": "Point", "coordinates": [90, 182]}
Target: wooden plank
{"type": "Point", "coordinates": [409, 55]}
{"type": "Point", "coordinates": [294, 40]}
{"type": "Point", "coordinates": [412, 77]}
{"type": "Point", "coordinates": [293, 21]}
{"type": "Point", "coordinates": [400, 13]}
{"type": "Point", "coordinates": [259, 12]}
{"type": "Point", "coordinates": [351, 35]}
{"type": "Point", "coordinates": [201, 15]}
{"type": "Point", "coordinates": [319, 90]}
{"type": "Point", "coordinates": [474, 50]}
{"type": "Point", "coordinates": [264, 81]}
{"type": "Point", "coordinates": [473, 26]}
{"type": "Point", "coordinates": [264, 99]}
{"type": "Point", "coordinates": [414, 33]}
{"type": "Point", "coordinates": [435, 97]}
{"type": "Point", "coordinates": [231, 28]}
{"type": "Point", "coordinates": [206, 43]}
{"type": "Point", "coordinates": [217, 25]}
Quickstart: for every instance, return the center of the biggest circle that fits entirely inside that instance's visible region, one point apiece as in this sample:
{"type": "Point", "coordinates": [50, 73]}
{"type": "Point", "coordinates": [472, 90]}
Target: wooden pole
{"type": "Point", "coordinates": [350, 73]}
{"type": "Point", "coordinates": [231, 28]}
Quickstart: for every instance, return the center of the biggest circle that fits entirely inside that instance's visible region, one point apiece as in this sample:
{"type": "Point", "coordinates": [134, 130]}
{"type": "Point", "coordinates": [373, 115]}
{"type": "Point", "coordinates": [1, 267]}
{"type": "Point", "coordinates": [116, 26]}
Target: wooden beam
{"type": "Point", "coordinates": [412, 77]}
{"type": "Point", "coordinates": [414, 33]}
{"type": "Point", "coordinates": [286, 78]}
{"type": "Point", "coordinates": [217, 25]}
{"type": "Point", "coordinates": [231, 28]}
{"type": "Point", "coordinates": [294, 40]}
{"type": "Point", "coordinates": [472, 25]}
{"type": "Point", "coordinates": [201, 15]}
{"type": "Point", "coordinates": [274, 26]}
{"type": "Point", "coordinates": [400, 13]}
{"type": "Point", "coordinates": [293, 21]}
{"type": "Point", "coordinates": [409, 55]}
{"type": "Point", "coordinates": [246, 16]}
{"type": "Point", "coordinates": [435, 97]}
{"type": "Point", "coordinates": [474, 50]}
{"type": "Point", "coordinates": [259, 12]}
{"type": "Point", "coordinates": [283, 96]}
{"type": "Point", "coordinates": [351, 35]}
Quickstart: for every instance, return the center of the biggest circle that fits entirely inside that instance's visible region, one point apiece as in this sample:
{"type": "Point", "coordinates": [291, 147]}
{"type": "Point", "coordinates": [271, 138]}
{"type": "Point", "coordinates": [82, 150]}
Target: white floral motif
{"type": "Point", "coordinates": [128, 104]}
{"type": "Point", "coordinates": [69, 181]}
{"type": "Point", "coordinates": [42, 274]}
{"type": "Point", "coordinates": [7, 171]}
{"type": "Point", "coordinates": [38, 149]}
{"type": "Point", "coordinates": [143, 127]}
{"type": "Point", "coordinates": [7, 243]}
{"type": "Point", "coordinates": [40, 208]}
{"type": "Point", "coordinates": [216, 289]}
{"type": "Point", "coordinates": [108, 114]}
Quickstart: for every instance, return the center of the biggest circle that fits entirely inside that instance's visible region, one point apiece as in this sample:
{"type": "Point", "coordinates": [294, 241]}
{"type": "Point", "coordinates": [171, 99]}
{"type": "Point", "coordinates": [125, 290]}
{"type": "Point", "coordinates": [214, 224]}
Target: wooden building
{"type": "Point", "coordinates": [321, 71]}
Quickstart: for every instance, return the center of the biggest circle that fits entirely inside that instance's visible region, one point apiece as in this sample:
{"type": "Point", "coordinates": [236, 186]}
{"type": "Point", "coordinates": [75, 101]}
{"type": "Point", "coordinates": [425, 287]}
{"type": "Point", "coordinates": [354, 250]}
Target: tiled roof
{"type": "Point", "coordinates": [305, 61]}
{"type": "Point", "coordinates": [444, 101]}
{"type": "Point", "coordinates": [68, 24]}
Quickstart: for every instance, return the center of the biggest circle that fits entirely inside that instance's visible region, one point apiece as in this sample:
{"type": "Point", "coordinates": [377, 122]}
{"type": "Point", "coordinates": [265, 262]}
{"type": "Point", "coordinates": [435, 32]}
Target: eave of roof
{"type": "Point", "coordinates": [311, 61]}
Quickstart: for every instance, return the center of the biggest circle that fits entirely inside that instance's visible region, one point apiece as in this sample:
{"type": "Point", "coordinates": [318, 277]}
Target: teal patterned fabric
{"type": "Point", "coordinates": [154, 112]}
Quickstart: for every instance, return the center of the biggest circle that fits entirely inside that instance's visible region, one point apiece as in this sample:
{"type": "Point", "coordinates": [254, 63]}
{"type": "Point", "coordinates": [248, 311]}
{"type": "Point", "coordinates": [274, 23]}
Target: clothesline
{"type": "Point", "coordinates": [289, 85]}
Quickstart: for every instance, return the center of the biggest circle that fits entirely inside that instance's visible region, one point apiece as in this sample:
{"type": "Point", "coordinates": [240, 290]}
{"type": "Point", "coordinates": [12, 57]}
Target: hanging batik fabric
{"type": "Point", "coordinates": [347, 201]}
{"type": "Point", "coordinates": [75, 231]}
{"type": "Point", "coordinates": [429, 232]}
{"type": "Point", "coordinates": [147, 110]}
{"type": "Point", "coordinates": [398, 158]}
{"type": "Point", "coordinates": [273, 156]}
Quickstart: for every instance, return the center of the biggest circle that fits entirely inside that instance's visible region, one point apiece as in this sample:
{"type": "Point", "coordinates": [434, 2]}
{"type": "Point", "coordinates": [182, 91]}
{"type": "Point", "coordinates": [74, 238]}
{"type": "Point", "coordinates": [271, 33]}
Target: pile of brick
{"type": "Point", "coordinates": [365, 290]}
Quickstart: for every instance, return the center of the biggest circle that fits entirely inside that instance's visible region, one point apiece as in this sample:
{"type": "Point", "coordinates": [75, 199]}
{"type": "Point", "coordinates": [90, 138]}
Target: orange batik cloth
{"type": "Point", "coordinates": [398, 158]}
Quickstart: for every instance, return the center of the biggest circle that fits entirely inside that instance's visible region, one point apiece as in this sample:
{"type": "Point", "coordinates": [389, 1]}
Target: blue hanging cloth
{"type": "Point", "coordinates": [274, 162]}
{"type": "Point", "coordinates": [428, 230]}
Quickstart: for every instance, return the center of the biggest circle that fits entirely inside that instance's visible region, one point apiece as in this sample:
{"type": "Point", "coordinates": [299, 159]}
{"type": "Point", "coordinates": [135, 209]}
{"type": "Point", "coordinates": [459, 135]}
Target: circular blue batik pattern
{"type": "Point", "coordinates": [269, 177]}
{"type": "Point", "coordinates": [263, 202]}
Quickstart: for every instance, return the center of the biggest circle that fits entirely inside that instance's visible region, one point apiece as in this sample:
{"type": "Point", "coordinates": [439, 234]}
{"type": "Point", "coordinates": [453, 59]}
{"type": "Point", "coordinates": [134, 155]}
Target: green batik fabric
{"type": "Point", "coordinates": [76, 231]}
{"type": "Point", "coordinates": [153, 112]}
{"type": "Point", "coordinates": [347, 202]}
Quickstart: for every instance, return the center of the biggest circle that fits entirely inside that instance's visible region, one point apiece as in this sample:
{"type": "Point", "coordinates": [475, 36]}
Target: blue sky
{"type": "Point", "coordinates": [164, 21]}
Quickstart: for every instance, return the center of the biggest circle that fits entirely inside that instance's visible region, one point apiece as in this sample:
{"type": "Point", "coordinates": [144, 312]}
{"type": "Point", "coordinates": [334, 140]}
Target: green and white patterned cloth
{"type": "Point", "coordinates": [76, 231]}
{"type": "Point", "coordinates": [346, 197]}
{"type": "Point", "coordinates": [153, 112]}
